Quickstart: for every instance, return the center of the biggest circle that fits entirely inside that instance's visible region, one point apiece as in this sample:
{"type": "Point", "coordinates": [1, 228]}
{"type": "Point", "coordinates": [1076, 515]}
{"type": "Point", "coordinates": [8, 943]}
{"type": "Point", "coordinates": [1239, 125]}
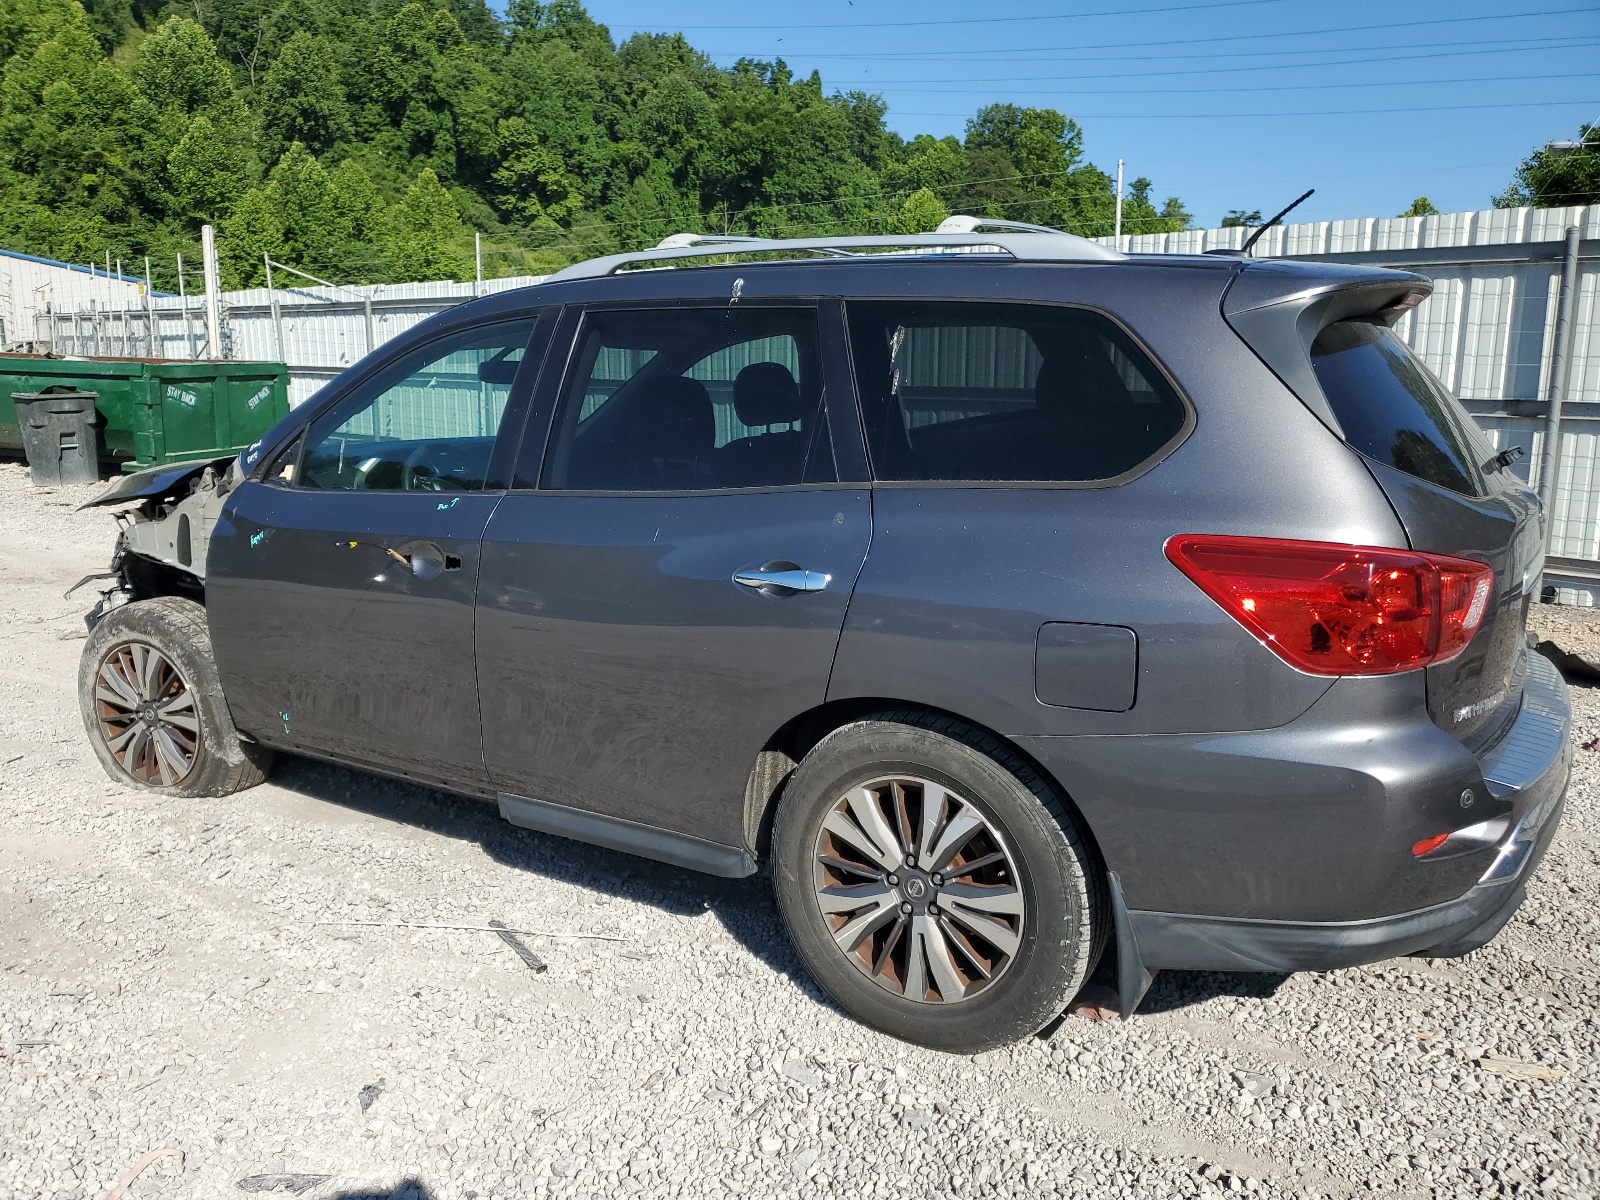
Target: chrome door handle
{"type": "Point", "coordinates": [793, 579]}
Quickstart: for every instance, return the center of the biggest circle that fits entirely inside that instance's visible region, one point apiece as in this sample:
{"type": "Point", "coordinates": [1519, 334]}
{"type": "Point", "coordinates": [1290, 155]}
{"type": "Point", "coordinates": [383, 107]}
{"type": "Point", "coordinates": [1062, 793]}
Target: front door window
{"type": "Point", "coordinates": [427, 424]}
{"type": "Point", "coordinates": [692, 400]}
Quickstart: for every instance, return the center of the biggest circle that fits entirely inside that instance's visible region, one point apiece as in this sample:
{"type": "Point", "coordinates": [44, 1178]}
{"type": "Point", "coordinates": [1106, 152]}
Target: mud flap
{"type": "Point", "coordinates": [1133, 979]}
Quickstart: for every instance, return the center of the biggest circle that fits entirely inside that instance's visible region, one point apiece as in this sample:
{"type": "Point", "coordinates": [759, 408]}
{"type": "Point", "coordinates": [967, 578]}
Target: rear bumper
{"type": "Point", "coordinates": [1527, 769]}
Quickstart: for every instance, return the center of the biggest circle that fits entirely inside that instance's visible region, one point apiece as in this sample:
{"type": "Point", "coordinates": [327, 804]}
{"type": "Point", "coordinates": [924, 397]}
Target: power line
{"type": "Point", "coordinates": [1125, 12]}
{"type": "Point", "coordinates": [1404, 52]}
{"type": "Point", "coordinates": [1228, 38]}
{"type": "Point", "coordinates": [1284, 87]}
{"type": "Point", "coordinates": [1544, 45]}
{"type": "Point", "coordinates": [1346, 112]}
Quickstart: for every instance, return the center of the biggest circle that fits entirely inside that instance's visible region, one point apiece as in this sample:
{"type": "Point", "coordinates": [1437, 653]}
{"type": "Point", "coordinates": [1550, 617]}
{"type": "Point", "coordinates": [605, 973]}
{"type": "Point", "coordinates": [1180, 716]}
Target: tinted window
{"type": "Point", "coordinates": [1005, 391]}
{"type": "Point", "coordinates": [427, 423]}
{"type": "Point", "coordinates": [1393, 410]}
{"type": "Point", "coordinates": [692, 399]}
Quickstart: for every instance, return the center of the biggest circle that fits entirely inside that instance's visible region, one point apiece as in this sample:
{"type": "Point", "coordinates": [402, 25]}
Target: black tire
{"type": "Point", "coordinates": [1062, 921]}
{"type": "Point", "coordinates": [215, 761]}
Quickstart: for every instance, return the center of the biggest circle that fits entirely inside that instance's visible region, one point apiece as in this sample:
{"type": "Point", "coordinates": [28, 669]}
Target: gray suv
{"type": "Point", "coordinates": [1016, 602]}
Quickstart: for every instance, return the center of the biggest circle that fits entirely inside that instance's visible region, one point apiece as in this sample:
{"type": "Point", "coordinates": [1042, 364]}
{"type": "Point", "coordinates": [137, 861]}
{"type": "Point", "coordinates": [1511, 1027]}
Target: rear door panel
{"type": "Point", "coordinates": [622, 669]}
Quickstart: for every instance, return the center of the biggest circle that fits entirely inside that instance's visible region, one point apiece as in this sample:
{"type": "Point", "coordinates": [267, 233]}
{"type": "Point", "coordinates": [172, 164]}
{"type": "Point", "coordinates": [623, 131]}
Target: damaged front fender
{"type": "Point", "coordinates": [165, 532]}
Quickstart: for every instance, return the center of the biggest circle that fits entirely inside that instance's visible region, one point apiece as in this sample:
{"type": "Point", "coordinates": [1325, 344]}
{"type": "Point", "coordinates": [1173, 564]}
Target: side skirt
{"type": "Point", "coordinates": [647, 841]}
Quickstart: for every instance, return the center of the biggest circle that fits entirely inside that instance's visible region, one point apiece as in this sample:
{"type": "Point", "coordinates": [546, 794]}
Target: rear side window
{"type": "Point", "coordinates": [994, 392]}
{"type": "Point", "coordinates": [1394, 411]}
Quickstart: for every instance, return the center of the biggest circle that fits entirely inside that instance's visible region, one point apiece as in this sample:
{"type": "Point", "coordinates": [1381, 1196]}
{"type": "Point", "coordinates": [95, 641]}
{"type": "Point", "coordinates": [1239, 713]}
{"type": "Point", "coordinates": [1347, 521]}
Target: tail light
{"type": "Point", "coordinates": [1330, 609]}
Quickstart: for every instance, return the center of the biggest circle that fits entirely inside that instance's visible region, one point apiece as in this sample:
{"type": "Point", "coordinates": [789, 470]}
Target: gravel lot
{"type": "Point", "coordinates": [169, 978]}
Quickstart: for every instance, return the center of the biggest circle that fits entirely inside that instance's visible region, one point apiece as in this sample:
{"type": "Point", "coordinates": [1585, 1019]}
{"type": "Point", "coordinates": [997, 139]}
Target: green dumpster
{"type": "Point", "coordinates": [156, 411]}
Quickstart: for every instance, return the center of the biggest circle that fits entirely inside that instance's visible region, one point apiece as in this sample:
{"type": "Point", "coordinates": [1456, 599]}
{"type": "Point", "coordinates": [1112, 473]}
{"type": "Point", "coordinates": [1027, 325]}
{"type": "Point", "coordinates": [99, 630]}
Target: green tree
{"type": "Point", "coordinates": [393, 127]}
{"type": "Point", "coordinates": [67, 139]}
{"type": "Point", "coordinates": [652, 208]}
{"type": "Point", "coordinates": [302, 98]}
{"type": "Point", "coordinates": [1041, 143]}
{"type": "Point", "coordinates": [192, 152]}
{"type": "Point", "coordinates": [357, 208]}
{"type": "Point", "coordinates": [425, 233]}
{"type": "Point", "coordinates": [1420, 207]}
{"type": "Point", "coordinates": [1558, 175]}
{"type": "Point", "coordinates": [1026, 164]}
{"type": "Point", "coordinates": [938, 165]}
{"type": "Point", "coordinates": [1237, 217]}
{"type": "Point", "coordinates": [302, 200]}
{"type": "Point", "coordinates": [179, 68]}
{"type": "Point", "coordinates": [206, 172]}
{"type": "Point", "coordinates": [1140, 215]}
{"type": "Point", "coordinates": [534, 190]}
{"type": "Point", "coordinates": [920, 212]}
{"type": "Point", "coordinates": [251, 232]}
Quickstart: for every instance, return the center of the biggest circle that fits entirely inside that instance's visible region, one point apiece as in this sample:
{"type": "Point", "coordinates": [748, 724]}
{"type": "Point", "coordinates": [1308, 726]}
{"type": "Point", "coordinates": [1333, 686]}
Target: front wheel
{"type": "Point", "coordinates": [935, 886]}
{"type": "Point", "coordinates": [152, 703]}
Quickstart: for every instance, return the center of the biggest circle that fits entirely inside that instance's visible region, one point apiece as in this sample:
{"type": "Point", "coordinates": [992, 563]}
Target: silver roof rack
{"type": "Point", "coordinates": [1025, 243]}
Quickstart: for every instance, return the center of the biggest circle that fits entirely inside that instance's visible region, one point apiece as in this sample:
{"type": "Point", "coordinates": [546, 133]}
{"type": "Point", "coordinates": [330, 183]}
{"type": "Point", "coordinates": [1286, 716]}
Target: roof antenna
{"type": "Point", "coordinates": [1244, 250]}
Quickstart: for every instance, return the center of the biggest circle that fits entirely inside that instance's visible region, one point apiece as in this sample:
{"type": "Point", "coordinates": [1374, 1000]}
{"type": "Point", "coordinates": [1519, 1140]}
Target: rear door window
{"type": "Point", "coordinates": [982, 392]}
{"type": "Point", "coordinates": [1394, 411]}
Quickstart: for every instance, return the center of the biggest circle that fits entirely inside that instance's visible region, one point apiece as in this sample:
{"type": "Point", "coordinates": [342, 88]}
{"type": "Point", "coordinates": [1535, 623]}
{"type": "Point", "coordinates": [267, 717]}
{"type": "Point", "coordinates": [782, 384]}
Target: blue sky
{"type": "Point", "coordinates": [1225, 103]}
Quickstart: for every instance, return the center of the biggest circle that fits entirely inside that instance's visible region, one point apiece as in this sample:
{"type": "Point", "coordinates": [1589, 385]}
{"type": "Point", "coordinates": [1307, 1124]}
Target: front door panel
{"type": "Point", "coordinates": [326, 643]}
{"type": "Point", "coordinates": [340, 588]}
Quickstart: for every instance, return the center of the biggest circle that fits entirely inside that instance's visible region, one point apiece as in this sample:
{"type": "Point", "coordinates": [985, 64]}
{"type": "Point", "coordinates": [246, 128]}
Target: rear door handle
{"type": "Point", "coordinates": [783, 581]}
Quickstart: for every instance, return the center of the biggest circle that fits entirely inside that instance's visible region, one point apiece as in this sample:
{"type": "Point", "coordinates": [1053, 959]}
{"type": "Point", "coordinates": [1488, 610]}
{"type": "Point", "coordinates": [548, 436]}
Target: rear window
{"type": "Point", "coordinates": [1393, 410]}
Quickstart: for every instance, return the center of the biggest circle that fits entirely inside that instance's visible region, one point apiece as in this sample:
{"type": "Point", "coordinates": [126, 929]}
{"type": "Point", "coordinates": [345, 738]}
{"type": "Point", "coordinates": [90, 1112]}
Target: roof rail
{"type": "Point", "coordinates": [1025, 243]}
{"type": "Point", "coordinates": [965, 224]}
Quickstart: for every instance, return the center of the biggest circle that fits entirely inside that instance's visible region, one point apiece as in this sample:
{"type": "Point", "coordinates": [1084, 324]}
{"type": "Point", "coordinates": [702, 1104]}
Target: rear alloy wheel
{"type": "Point", "coordinates": [152, 703]}
{"type": "Point", "coordinates": [919, 889]}
{"type": "Point", "coordinates": [935, 885]}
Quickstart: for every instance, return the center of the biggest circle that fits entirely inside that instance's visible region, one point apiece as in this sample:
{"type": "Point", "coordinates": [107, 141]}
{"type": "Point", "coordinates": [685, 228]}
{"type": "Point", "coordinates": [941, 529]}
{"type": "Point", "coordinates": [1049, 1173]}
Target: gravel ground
{"type": "Point", "coordinates": [1575, 630]}
{"type": "Point", "coordinates": [169, 978]}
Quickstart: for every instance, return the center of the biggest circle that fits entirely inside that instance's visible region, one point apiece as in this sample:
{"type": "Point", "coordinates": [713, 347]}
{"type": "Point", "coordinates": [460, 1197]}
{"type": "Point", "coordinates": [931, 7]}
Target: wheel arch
{"type": "Point", "coordinates": [790, 743]}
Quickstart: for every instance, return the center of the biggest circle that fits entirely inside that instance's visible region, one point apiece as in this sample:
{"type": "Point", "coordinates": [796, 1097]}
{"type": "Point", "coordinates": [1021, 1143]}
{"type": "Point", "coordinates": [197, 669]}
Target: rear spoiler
{"type": "Point", "coordinates": [1278, 308]}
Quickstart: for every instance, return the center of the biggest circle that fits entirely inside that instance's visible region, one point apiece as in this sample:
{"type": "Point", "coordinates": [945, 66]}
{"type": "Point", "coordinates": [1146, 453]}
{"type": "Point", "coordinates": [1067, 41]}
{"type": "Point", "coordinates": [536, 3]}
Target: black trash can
{"type": "Point", "coordinates": [58, 436]}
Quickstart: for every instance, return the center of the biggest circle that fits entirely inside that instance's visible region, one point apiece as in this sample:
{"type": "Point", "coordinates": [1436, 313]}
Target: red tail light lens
{"type": "Point", "coordinates": [1429, 844]}
{"type": "Point", "coordinates": [1331, 609]}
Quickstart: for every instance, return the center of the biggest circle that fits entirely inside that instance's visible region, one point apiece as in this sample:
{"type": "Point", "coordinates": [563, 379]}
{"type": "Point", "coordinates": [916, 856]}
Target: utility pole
{"type": "Point", "coordinates": [150, 306]}
{"type": "Point", "coordinates": [277, 316]}
{"type": "Point", "coordinates": [477, 239]}
{"type": "Point", "coordinates": [1117, 237]}
{"type": "Point", "coordinates": [1560, 368]}
{"type": "Point", "coordinates": [183, 302]}
{"type": "Point", "coordinates": [213, 281]}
